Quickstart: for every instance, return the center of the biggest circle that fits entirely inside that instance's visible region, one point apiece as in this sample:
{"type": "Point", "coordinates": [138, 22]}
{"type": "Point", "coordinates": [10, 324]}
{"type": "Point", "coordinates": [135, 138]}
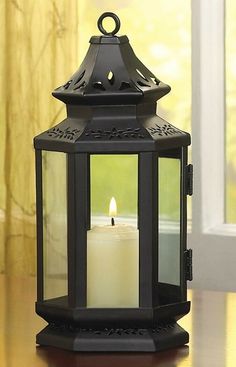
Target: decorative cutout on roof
{"type": "Point", "coordinates": [111, 73]}
{"type": "Point", "coordinates": [110, 82]}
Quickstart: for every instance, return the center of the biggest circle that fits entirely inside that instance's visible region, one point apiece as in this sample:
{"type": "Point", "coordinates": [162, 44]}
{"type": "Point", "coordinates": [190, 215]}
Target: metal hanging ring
{"type": "Point", "coordinates": [116, 20]}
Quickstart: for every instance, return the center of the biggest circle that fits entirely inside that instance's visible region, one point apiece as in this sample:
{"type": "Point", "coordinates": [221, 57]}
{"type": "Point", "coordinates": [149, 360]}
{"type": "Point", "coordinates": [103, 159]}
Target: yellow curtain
{"type": "Point", "coordinates": [39, 39]}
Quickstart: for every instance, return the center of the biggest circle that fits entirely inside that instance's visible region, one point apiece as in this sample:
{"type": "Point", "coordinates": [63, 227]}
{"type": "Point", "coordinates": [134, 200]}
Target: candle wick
{"type": "Point", "coordinates": [112, 221]}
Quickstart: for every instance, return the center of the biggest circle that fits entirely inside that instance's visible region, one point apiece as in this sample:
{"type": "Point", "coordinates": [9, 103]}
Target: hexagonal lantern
{"type": "Point", "coordinates": [112, 181]}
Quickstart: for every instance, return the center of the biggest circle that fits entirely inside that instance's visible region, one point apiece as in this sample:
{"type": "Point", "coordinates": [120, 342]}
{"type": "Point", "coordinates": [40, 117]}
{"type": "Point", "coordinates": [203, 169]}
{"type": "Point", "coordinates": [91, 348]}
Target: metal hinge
{"type": "Point", "coordinates": [188, 255]}
{"type": "Point", "coordinates": [189, 179]}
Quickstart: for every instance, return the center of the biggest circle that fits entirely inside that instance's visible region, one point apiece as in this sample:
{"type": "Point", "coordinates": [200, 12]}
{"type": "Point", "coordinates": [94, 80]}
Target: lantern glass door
{"type": "Point", "coordinates": [169, 202]}
{"type": "Point", "coordinates": [54, 185]}
{"type": "Point", "coordinates": [113, 239]}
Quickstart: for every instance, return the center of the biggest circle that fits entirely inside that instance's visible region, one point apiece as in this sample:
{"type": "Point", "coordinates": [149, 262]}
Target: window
{"type": "Point", "coordinates": [230, 70]}
{"type": "Point", "coordinates": [212, 240]}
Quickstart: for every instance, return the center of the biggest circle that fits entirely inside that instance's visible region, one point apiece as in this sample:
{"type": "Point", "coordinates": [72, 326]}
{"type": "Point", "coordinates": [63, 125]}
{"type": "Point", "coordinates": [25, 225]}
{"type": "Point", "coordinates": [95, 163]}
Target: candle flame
{"type": "Point", "coordinates": [112, 208]}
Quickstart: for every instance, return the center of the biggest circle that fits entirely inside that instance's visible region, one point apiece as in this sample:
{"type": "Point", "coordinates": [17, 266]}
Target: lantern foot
{"type": "Point", "coordinates": [113, 340]}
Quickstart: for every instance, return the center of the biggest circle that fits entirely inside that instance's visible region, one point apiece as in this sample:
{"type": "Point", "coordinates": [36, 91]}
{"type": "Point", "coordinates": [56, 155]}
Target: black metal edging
{"type": "Point", "coordinates": [147, 229]}
{"type": "Point", "coordinates": [183, 224]}
{"type": "Point", "coordinates": [77, 229]}
{"type": "Point", "coordinates": [88, 190]}
{"type": "Point", "coordinates": [39, 224]}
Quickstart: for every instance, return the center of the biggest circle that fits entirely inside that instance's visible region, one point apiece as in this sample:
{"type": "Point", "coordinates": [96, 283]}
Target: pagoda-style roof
{"type": "Point", "coordinates": [111, 73]}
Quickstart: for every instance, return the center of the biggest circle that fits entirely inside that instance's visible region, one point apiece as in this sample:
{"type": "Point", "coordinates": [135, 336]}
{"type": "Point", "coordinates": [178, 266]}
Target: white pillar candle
{"type": "Point", "coordinates": [113, 266]}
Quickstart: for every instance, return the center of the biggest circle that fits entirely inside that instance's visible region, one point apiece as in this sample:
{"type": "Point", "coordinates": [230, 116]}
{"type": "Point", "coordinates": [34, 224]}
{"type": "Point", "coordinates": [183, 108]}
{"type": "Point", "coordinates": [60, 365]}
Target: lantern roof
{"type": "Point", "coordinates": [111, 103]}
{"type": "Point", "coordinates": [111, 73]}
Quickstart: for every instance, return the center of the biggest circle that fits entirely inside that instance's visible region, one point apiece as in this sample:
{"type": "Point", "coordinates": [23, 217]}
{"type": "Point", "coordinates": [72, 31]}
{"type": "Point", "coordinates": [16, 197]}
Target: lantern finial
{"type": "Point", "coordinates": [116, 20]}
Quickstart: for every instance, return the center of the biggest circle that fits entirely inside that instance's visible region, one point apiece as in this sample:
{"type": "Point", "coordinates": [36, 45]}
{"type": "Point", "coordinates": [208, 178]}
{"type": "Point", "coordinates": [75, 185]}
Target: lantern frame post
{"type": "Point", "coordinates": [148, 230]}
{"type": "Point", "coordinates": [77, 229]}
{"type": "Point", "coordinates": [39, 224]}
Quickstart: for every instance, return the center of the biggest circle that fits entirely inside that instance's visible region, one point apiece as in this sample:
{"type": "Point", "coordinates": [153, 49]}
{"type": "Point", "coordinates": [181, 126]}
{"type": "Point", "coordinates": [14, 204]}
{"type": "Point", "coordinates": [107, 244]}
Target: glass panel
{"type": "Point", "coordinates": [112, 256]}
{"type": "Point", "coordinates": [54, 224]}
{"type": "Point", "coordinates": [169, 221]}
{"type": "Point", "coordinates": [230, 70]}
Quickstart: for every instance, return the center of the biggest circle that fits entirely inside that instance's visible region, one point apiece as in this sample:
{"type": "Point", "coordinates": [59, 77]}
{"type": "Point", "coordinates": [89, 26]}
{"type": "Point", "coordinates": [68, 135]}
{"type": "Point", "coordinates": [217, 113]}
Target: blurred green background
{"type": "Point", "coordinates": [114, 175]}
{"type": "Point", "coordinates": [117, 175]}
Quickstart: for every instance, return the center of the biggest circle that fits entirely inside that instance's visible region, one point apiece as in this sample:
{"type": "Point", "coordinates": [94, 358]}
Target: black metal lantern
{"type": "Point", "coordinates": [118, 283]}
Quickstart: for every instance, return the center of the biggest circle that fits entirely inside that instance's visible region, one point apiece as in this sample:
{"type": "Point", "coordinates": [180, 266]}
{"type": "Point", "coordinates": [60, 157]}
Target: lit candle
{"type": "Point", "coordinates": [112, 210]}
{"type": "Point", "coordinates": [113, 264]}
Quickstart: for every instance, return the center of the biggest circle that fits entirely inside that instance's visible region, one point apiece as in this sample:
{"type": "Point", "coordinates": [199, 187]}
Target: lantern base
{"type": "Point", "coordinates": [113, 340]}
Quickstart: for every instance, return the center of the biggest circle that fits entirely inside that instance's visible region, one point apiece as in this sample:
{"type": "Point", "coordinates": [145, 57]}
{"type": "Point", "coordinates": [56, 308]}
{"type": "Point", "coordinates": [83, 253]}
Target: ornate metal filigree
{"type": "Point", "coordinates": [112, 332]}
{"type": "Point", "coordinates": [162, 328]}
{"type": "Point", "coordinates": [115, 133]}
{"type": "Point", "coordinates": [163, 130]}
{"type": "Point", "coordinates": [57, 133]}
